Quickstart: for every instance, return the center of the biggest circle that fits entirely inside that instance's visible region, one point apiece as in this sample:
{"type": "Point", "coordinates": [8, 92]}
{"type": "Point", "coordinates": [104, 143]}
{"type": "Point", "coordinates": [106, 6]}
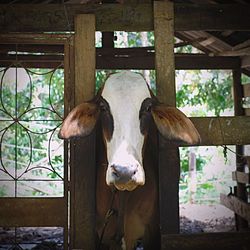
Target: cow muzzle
{"type": "Point", "coordinates": [125, 177]}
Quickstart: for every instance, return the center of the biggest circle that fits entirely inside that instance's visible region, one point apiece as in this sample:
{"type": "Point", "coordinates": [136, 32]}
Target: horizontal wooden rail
{"type": "Point", "coordinates": [33, 212]}
{"type": "Point", "coordinates": [215, 131]}
{"type": "Point", "coordinates": [207, 241]}
{"type": "Point", "coordinates": [128, 58]}
{"type": "Point", "coordinates": [127, 17]}
{"type": "Point", "coordinates": [236, 205]}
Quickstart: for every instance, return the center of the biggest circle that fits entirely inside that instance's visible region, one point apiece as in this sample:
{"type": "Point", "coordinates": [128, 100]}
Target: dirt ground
{"type": "Point", "coordinates": [193, 219]}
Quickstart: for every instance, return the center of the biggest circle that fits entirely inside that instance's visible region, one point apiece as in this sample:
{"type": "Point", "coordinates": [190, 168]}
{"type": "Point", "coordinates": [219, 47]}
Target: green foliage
{"type": "Point", "coordinates": [36, 98]}
{"type": "Point", "coordinates": [214, 93]}
{"type": "Point", "coordinates": [184, 155]}
{"type": "Point", "coordinates": [245, 79]}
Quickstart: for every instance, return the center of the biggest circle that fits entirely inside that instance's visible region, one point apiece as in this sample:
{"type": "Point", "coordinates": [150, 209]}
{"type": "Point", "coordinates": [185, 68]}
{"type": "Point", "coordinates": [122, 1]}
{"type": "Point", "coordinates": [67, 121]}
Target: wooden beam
{"type": "Point", "coordinates": [83, 158]}
{"type": "Point", "coordinates": [33, 212]}
{"type": "Point", "coordinates": [242, 45]}
{"type": "Point", "coordinates": [239, 52]}
{"type": "Point", "coordinates": [127, 17]}
{"type": "Point", "coordinates": [108, 39]}
{"type": "Point", "coordinates": [245, 62]}
{"type": "Point", "coordinates": [217, 131]}
{"type": "Point", "coordinates": [241, 177]}
{"type": "Point", "coordinates": [34, 38]}
{"type": "Point", "coordinates": [128, 58]}
{"type": "Point", "coordinates": [31, 48]}
{"type": "Point", "coordinates": [236, 205]}
{"type": "Point", "coordinates": [207, 241]}
{"type": "Point", "coordinates": [169, 161]}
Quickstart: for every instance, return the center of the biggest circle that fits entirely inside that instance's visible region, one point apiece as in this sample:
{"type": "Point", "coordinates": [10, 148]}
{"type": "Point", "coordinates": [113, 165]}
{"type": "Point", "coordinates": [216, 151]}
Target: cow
{"type": "Point", "coordinates": [129, 116]}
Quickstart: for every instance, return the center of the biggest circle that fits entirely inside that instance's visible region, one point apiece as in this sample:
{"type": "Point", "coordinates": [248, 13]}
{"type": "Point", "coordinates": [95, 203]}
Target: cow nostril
{"type": "Point", "coordinates": [116, 174]}
{"type": "Point", "coordinates": [114, 171]}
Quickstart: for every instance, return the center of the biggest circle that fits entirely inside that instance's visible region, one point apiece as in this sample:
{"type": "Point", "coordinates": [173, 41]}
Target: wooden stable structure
{"type": "Point", "coordinates": [194, 23]}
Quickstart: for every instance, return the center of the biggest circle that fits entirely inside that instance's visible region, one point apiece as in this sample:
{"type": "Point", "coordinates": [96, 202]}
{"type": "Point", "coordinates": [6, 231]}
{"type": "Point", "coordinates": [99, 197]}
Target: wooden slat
{"type": "Point", "coordinates": [68, 89]}
{"type": "Point", "coordinates": [128, 17]}
{"type": "Point", "coordinates": [241, 177]}
{"type": "Point", "coordinates": [236, 205]}
{"type": "Point", "coordinates": [132, 58]}
{"type": "Point", "coordinates": [168, 155]}
{"type": "Point", "coordinates": [216, 131]}
{"type": "Point", "coordinates": [33, 212]}
{"type": "Point", "coordinates": [31, 48]}
{"type": "Point", "coordinates": [33, 38]}
{"type": "Point", "coordinates": [211, 17]}
{"type": "Point", "coordinates": [207, 241]}
{"type": "Point", "coordinates": [83, 158]}
{"type": "Point", "coordinates": [245, 62]}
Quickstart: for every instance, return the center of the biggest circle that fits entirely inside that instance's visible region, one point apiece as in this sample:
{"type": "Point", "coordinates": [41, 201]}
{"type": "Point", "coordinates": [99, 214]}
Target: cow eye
{"type": "Point", "coordinates": [145, 115]}
{"type": "Point", "coordinates": [106, 119]}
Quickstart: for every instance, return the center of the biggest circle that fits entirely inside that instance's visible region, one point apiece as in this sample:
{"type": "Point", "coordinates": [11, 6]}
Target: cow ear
{"type": "Point", "coordinates": [174, 125]}
{"type": "Point", "coordinates": [80, 121]}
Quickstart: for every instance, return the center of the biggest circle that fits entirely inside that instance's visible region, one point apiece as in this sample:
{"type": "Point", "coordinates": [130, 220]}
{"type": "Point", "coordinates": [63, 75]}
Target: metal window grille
{"type": "Point", "coordinates": [33, 161]}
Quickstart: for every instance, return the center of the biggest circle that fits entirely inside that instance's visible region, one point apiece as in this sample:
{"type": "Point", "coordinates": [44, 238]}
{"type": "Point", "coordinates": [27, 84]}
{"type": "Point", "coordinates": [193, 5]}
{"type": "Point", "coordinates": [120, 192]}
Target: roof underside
{"type": "Point", "coordinates": [213, 43]}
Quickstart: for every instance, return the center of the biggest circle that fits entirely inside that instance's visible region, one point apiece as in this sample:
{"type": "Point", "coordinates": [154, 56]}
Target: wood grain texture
{"type": "Point", "coordinates": [83, 151]}
{"type": "Point", "coordinates": [127, 17]}
{"type": "Point", "coordinates": [33, 212]}
{"type": "Point", "coordinates": [169, 162]}
{"type": "Point", "coordinates": [207, 241]}
{"type": "Point", "coordinates": [237, 205]}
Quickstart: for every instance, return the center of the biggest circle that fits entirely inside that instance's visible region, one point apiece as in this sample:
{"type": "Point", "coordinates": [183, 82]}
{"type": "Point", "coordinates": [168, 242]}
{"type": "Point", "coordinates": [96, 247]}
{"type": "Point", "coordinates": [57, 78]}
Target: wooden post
{"type": "Point", "coordinates": [192, 183]}
{"type": "Point", "coordinates": [238, 110]}
{"type": "Point", "coordinates": [83, 158]}
{"type": "Point", "coordinates": [108, 39]}
{"type": "Point", "coordinates": [169, 162]}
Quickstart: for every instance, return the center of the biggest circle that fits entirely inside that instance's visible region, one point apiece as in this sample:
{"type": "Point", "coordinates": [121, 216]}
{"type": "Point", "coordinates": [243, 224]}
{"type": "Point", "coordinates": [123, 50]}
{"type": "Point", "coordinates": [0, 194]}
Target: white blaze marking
{"type": "Point", "coordinates": [125, 92]}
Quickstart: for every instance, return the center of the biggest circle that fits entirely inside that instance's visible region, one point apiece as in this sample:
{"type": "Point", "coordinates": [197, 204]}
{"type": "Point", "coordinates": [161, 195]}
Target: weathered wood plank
{"type": "Point", "coordinates": [68, 103]}
{"type": "Point", "coordinates": [84, 57]}
{"type": "Point", "coordinates": [169, 169]}
{"type": "Point", "coordinates": [164, 52]}
{"type": "Point", "coordinates": [127, 17]}
{"type": "Point", "coordinates": [217, 131]}
{"type": "Point", "coordinates": [241, 177]}
{"type": "Point", "coordinates": [236, 205]}
{"type": "Point", "coordinates": [134, 59]}
{"type": "Point", "coordinates": [207, 241]}
{"type": "Point", "coordinates": [33, 212]}
{"type": "Point", "coordinates": [83, 165]}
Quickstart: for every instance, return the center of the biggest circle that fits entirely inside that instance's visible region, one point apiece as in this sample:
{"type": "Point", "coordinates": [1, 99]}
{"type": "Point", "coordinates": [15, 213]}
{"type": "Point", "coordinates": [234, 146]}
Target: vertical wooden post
{"type": "Point", "coordinates": [83, 158]}
{"type": "Point", "coordinates": [192, 185]}
{"type": "Point", "coordinates": [169, 162]}
{"type": "Point", "coordinates": [238, 110]}
{"type": "Point", "coordinates": [108, 39]}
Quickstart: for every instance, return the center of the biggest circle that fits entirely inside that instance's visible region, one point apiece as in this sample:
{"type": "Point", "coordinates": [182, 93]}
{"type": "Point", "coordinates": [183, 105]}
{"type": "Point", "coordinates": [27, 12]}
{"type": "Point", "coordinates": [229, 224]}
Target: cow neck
{"type": "Point", "coordinates": [119, 212]}
{"type": "Point", "coordinates": [120, 215]}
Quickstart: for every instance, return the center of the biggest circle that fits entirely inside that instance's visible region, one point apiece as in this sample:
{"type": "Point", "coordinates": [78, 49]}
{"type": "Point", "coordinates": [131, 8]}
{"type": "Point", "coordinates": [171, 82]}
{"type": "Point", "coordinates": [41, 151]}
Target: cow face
{"type": "Point", "coordinates": [125, 108]}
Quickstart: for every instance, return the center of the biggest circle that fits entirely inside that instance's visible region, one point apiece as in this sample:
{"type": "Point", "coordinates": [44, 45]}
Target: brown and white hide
{"type": "Point", "coordinates": [129, 117]}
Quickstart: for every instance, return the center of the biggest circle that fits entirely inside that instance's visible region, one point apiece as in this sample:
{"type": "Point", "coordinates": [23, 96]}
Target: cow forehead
{"type": "Point", "coordinates": [124, 86]}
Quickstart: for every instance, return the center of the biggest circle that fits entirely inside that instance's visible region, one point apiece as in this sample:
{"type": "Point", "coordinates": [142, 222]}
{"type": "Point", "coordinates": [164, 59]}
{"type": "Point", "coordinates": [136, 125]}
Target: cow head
{"type": "Point", "coordinates": [125, 107]}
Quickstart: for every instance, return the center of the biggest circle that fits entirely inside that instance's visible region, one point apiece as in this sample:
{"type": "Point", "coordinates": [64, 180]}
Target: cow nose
{"type": "Point", "coordinates": [123, 174]}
